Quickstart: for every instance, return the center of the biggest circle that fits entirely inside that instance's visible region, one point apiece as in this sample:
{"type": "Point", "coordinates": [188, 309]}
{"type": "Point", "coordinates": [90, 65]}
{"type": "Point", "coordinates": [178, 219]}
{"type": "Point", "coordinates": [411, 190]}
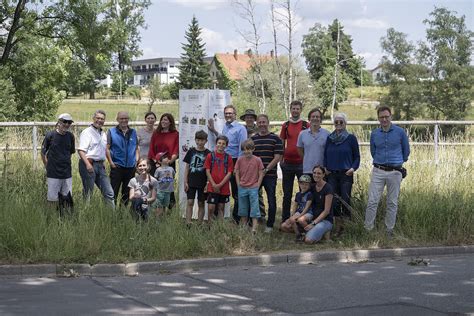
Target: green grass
{"type": "Point", "coordinates": [373, 93]}
{"type": "Point", "coordinates": [82, 111]}
{"type": "Point", "coordinates": [435, 209]}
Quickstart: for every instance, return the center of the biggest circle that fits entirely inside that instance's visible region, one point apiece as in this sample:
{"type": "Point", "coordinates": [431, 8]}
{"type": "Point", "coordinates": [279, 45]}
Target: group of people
{"type": "Point", "coordinates": [142, 162]}
{"type": "Point", "coordinates": [243, 163]}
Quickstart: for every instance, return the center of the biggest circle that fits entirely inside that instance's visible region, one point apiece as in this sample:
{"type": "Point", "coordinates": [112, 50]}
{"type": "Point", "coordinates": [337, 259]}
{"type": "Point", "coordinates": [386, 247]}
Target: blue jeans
{"type": "Point", "coordinates": [99, 177]}
{"type": "Point", "coordinates": [248, 202]}
{"type": "Point", "coordinates": [289, 171]}
{"type": "Point", "coordinates": [342, 186]}
{"type": "Point", "coordinates": [269, 184]}
{"type": "Point", "coordinates": [318, 231]}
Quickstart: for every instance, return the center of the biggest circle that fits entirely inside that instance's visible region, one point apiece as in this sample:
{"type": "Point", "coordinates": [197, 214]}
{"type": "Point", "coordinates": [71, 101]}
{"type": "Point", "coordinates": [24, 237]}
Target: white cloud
{"type": "Point", "coordinates": [217, 43]}
{"type": "Point", "coordinates": [149, 52]}
{"type": "Point", "coordinates": [367, 23]}
{"type": "Point", "coordinates": [202, 4]}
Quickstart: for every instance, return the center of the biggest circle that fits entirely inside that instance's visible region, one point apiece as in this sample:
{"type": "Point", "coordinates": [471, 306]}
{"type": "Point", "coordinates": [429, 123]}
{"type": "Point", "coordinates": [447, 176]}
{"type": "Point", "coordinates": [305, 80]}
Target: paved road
{"type": "Point", "coordinates": [445, 286]}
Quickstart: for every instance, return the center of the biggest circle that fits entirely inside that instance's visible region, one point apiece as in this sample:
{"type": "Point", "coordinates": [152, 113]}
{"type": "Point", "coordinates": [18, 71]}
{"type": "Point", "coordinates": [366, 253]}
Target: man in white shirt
{"type": "Point", "coordinates": [92, 149]}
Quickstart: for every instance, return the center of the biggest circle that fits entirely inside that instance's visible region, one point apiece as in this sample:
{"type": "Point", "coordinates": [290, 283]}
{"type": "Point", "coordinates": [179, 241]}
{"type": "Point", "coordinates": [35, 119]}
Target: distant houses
{"type": "Point", "coordinates": [228, 66]}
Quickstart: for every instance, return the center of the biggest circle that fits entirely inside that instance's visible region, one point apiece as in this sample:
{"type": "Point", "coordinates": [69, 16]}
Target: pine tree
{"type": "Point", "coordinates": [194, 71]}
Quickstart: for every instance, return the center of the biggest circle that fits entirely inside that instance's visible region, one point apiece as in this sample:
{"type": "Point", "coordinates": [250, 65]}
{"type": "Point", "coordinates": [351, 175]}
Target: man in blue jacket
{"type": "Point", "coordinates": [122, 154]}
{"type": "Point", "coordinates": [389, 149]}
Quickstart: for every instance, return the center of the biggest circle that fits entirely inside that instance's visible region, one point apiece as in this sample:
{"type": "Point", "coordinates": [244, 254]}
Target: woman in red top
{"type": "Point", "coordinates": [165, 139]}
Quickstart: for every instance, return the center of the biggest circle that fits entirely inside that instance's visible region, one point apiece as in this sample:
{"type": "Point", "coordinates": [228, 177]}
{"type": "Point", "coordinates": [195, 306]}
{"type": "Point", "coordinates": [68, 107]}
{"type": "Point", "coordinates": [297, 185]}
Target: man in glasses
{"type": "Point", "coordinates": [56, 151]}
{"type": "Point", "coordinates": [237, 134]}
{"type": "Point", "coordinates": [389, 149]}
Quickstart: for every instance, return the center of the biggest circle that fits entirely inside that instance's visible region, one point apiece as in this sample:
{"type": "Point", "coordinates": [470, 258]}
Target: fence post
{"type": "Point", "coordinates": [35, 144]}
{"type": "Point", "coordinates": [436, 139]}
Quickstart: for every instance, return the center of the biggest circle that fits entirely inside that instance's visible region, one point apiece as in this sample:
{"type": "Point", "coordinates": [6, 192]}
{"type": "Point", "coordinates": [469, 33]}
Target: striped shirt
{"type": "Point", "coordinates": [266, 147]}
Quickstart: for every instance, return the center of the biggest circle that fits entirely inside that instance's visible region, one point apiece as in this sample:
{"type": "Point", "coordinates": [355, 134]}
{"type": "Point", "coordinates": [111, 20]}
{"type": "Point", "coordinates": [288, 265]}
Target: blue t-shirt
{"type": "Point", "coordinates": [301, 199]}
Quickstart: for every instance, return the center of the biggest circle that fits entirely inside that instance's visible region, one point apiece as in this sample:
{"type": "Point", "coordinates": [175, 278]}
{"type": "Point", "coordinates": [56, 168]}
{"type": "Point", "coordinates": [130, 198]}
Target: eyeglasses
{"type": "Point", "coordinates": [338, 122]}
{"type": "Point", "coordinates": [67, 121]}
{"type": "Point", "coordinates": [229, 113]}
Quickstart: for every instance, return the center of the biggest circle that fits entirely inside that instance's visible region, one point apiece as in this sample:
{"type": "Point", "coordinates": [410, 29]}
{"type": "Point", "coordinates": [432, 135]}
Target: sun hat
{"type": "Point", "coordinates": [248, 112]}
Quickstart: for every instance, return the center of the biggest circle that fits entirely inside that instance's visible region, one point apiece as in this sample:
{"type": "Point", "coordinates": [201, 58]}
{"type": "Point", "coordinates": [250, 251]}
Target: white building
{"type": "Point", "coordinates": [165, 69]}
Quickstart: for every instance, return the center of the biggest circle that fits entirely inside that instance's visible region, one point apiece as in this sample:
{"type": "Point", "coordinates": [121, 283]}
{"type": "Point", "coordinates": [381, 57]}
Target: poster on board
{"type": "Point", "coordinates": [196, 107]}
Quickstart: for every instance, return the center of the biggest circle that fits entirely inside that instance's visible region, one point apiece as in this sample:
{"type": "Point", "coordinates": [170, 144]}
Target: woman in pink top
{"type": "Point", "coordinates": [248, 175]}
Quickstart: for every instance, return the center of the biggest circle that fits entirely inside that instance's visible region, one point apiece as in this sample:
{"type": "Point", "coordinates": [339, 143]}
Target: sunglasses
{"type": "Point", "coordinates": [338, 122]}
{"type": "Point", "coordinates": [67, 121]}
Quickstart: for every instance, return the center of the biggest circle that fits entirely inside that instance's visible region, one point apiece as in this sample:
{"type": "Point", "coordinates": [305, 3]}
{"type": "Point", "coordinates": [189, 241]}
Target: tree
{"type": "Point", "coordinates": [194, 71]}
{"type": "Point", "coordinates": [246, 11]}
{"type": "Point", "coordinates": [405, 88]}
{"type": "Point", "coordinates": [126, 17]}
{"type": "Point", "coordinates": [320, 51]}
{"type": "Point", "coordinates": [447, 54]}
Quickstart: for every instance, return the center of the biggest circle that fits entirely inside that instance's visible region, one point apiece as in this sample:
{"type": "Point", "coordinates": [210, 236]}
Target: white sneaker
{"type": "Point", "coordinates": [268, 229]}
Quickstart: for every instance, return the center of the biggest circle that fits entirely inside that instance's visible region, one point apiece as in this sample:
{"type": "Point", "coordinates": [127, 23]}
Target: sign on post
{"type": "Point", "coordinates": [196, 107]}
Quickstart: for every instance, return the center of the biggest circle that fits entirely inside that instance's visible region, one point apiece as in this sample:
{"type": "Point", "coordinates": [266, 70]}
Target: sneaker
{"type": "Point", "coordinates": [389, 234]}
{"type": "Point", "coordinates": [268, 229]}
{"type": "Point", "coordinates": [299, 238]}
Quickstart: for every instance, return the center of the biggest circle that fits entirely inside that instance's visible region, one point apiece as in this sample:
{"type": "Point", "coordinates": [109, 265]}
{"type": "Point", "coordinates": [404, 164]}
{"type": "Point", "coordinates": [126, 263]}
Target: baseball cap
{"type": "Point", "coordinates": [65, 117]}
{"type": "Point", "coordinates": [161, 155]}
{"type": "Point", "coordinates": [305, 178]}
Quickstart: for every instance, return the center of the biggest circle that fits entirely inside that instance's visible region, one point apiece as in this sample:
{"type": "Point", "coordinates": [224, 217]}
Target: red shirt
{"type": "Point", "coordinates": [291, 155]}
{"type": "Point", "coordinates": [164, 142]}
{"type": "Point", "coordinates": [217, 172]}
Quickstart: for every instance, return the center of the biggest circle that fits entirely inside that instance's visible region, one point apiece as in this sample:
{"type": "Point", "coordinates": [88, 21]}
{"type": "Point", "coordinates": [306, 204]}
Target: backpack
{"type": "Point", "coordinates": [226, 161]}
{"type": "Point", "coordinates": [287, 123]}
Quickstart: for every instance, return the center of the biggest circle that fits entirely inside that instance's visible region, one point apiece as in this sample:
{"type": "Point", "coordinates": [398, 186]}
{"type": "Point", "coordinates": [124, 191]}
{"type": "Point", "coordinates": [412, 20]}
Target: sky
{"type": "Point", "coordinates": [366, 21]}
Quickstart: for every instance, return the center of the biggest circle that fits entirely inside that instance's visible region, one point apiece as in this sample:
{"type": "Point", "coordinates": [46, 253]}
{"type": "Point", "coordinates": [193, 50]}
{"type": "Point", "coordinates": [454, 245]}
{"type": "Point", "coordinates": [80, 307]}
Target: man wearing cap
{"type": "Point", "coordinates": [56, 151]}
{"type": "Point", "coordinates": [237, 134]}
{"type": "Point", "coordinates": [249, 117]}
{"type": "Point", "coordinates": [122, 155]}
{"type": "Point", "coordinates": [92, 148]}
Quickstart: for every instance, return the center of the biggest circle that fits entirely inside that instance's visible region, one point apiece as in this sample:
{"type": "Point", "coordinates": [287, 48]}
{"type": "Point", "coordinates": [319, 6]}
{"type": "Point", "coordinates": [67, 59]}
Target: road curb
{"type": "Point", "coordinates": [186, 265]}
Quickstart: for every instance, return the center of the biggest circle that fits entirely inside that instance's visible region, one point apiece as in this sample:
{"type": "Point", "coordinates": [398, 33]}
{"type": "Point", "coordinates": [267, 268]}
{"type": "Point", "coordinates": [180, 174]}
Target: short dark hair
{"type": "Point", "coordinates": [263, 115]}
{"type": "Point", "coordinates": [383, 108]}
{"type": "Point", "coordinates": [248, 144]}
{"type": "Point", "coordinates": [318, 167]}
{"type": "Point", "coordinates": [315, 110]}
{"type": "Point", "coordinates": [230, 106]}
{"type": "Point", "coordinates": [150, 113]}
{"type": "Point", "coordinates": [200, 135]}
{"type": "Point", "coordinates": [224, 138]}
{"type": "Point", "coordinates": [296, 102]}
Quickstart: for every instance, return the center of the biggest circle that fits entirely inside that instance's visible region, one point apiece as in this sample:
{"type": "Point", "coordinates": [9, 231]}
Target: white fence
{"type": "Point", "coordinates": [35, 146]}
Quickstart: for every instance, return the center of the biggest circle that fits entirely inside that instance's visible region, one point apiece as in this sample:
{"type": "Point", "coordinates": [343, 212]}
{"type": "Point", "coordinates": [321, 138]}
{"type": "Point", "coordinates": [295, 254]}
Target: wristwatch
{"type": "Point", "coordinates": [265, 170]}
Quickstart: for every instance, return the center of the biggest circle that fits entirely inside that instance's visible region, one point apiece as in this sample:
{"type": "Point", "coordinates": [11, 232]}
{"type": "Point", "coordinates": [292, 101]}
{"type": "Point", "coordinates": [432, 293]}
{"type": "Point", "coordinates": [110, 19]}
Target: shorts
{"type": "Point", "coordinates": [216, 198]}
{"type": "Point", "coordinates": [191, 194]}
{"type": "Point", "coordinates": [308, 216]}
{"type": "Point", "coordinates": [162, 199]}
{"type": "Point", "coordinates": [56, 186]}
{"type": "Point", "coordinates": [248, 202]}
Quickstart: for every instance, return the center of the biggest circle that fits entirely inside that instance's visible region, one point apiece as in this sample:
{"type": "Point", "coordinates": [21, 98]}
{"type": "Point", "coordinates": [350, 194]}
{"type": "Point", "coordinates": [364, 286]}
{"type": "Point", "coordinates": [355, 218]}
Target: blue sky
{"type": "Point", "coordinates": [365, 20]}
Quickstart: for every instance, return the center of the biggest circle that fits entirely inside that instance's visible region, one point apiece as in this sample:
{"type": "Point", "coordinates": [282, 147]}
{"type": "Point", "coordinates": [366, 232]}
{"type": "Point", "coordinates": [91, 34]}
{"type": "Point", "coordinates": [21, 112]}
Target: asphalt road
{"type": "Point", "coordinates": [385, 287]}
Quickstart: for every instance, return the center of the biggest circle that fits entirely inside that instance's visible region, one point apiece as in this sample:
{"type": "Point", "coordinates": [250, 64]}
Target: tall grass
{"type": "Point", "coordinates": [436, 208]}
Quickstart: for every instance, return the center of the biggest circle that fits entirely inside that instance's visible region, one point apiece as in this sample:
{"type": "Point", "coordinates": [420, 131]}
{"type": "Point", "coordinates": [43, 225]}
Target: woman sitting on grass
{"type": "Point", "coordinates": [142, 190]}
{"type": "Point", "coordinates": [322, 208]}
